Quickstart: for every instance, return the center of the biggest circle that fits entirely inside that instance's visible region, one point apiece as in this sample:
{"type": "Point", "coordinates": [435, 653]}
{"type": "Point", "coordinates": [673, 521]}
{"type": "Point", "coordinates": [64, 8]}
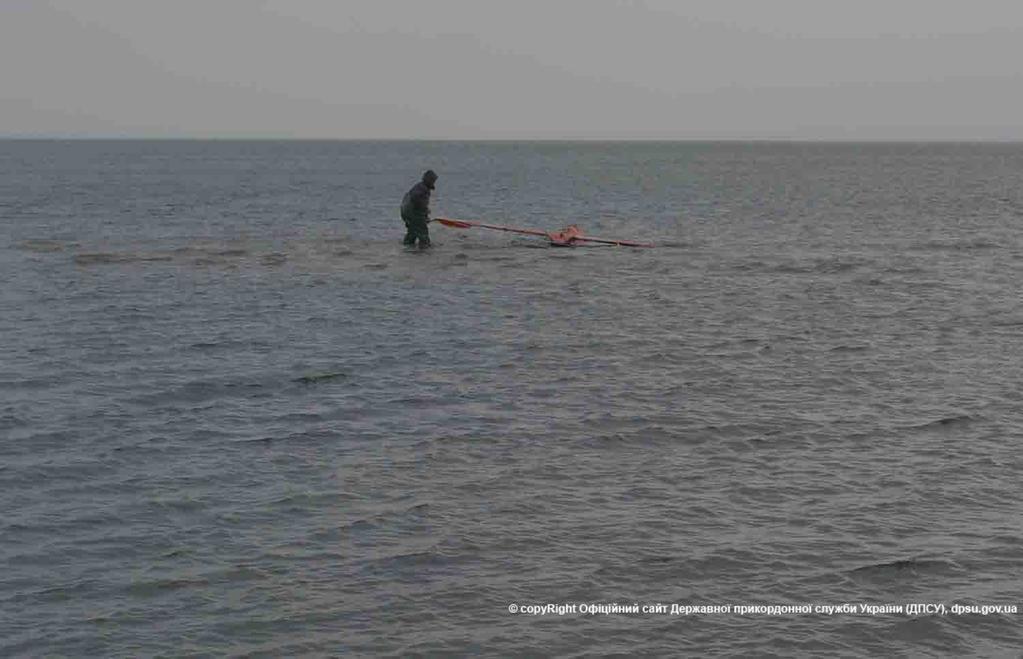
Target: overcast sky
{"type": "Point", "coordinates": [605, 69]}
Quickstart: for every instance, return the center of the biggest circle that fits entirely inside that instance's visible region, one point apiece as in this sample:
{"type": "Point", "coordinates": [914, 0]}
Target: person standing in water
{"type": "Point", "coordinates": [415, 211]}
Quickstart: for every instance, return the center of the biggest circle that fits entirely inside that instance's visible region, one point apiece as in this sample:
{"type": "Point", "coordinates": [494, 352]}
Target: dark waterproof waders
{"type": "Point", "coordinates": [416, 229]}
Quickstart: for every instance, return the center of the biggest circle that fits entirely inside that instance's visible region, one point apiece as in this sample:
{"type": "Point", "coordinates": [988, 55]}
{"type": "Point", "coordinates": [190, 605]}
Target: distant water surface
{"type": "Point", "coordinates": [237, 418]}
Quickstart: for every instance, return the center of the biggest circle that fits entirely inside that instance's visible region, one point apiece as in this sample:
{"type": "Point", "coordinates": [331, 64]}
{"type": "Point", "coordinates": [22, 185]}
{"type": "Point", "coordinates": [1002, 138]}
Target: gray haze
{"type": "Point", "coordinates": [871, 69]}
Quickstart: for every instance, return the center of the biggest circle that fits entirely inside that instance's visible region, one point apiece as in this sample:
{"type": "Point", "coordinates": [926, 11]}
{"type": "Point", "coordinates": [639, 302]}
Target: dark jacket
{"type": "Point", "coordinates": [415, 206]}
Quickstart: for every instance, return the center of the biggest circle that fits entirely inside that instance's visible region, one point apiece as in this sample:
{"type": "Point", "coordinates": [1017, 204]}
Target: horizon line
{"type": "Point", "coordinates": [285, 138]}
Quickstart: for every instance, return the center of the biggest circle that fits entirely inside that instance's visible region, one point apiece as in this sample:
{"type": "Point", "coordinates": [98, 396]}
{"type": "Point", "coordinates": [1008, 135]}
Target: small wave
{"type": "Point", "coordinates": [837, 266]}
{"type": "Point", "coordinates": [954, 245]}
{"type": "Point", "coordinates": [103, 258]}
{"type": "Point", "coordinates": [42, 382]}
{"type": "Point", "coordinates": [818, 266]}
{"type": "Point", "coordinates": [361, 525]}
{"type": "Point", "coordinates": [9, 421]}
{"type": "Point", "coordinates": [1008, 322]}
{"type": "Point", "coordinates": [903, 269]}
{"type": "Point", "coordinates": [207, 261]}
{"type": "Point", "coordinates": [914, 565]}
{"type": "Point", "coordinates": [41, 245]}
{"type": "Point", "coordinates": [803, 266]}
{"type": "Point", "coordinates": [320, 377]}
{"type": "Point", "coordinates": [312, 435]}
{"type": "Point", "coordinates": [176, 553]}
{"type": "Point", "coordinates": [274, 258]}
{"type": "Point", "coordinates": [946, 422]}
{"type": "Point", "coordinates": [749, 266]}
{"type": "Point", "coordinates": [408, 562]}
{"type": "Point", "coordinates": [160, 586]}
{"type": "Point", "coordinates": [199, 391]}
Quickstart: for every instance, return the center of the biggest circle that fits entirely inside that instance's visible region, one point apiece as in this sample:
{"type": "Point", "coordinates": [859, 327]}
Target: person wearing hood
{"type": "Point", "coordinates": [415, 211]}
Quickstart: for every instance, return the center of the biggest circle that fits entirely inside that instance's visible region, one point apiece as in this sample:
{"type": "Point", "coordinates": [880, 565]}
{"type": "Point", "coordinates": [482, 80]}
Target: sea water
{"type": "Point", "coordinates": [237, 417]}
